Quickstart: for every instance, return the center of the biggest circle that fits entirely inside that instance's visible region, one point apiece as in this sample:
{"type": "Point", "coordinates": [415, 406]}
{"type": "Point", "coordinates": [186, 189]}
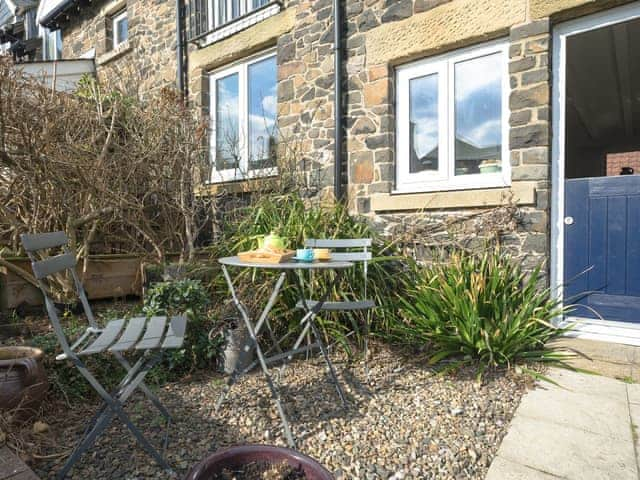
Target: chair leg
{"type": "Point", "coordinates": [367, 329]}
{"type": "Point", "coordinates": [113, 405]}
{"type": "Point", "coordinates": [124, 418]}
{"type": "Point", "coordinates": [143, 387]}
{"type": "Point", "coordinates": [327, 360]}
{"type": "Point", "coordinates": [101, 422]}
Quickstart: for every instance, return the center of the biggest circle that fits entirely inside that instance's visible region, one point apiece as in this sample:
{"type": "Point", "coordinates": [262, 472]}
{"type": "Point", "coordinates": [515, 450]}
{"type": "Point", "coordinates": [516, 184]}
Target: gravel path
{"type": "Point", "coordinates": [405, 422]}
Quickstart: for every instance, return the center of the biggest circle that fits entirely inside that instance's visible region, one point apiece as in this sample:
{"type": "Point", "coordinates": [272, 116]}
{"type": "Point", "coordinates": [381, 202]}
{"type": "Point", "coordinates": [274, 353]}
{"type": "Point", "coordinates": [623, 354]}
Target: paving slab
{"type": "Point", "coordinates": [585, 428]}
{"type": "Point", "coordinates": [585, 383]}
{"type": "Point", "coordinates": [12, 468]}
{"type": "Point", "coordinates": [609, 352]}
{"type": "Point", "coordinates": [633, 392]}
{"type": "Point", "coordinates": [503, 469]}
{"type": "Point", "coordinates": [619, 371]}
{"type": "Point", "coordinates": [606, 416]}
{"type": "Point", "coordinates": [567, 452]}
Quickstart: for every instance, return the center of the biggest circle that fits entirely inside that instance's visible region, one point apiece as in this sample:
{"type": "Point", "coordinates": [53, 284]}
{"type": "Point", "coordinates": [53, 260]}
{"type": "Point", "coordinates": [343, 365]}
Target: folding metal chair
{"type": "Point", "coordinates": [357, 250]}
{"type": "Point", "coordinates": [147, 336]}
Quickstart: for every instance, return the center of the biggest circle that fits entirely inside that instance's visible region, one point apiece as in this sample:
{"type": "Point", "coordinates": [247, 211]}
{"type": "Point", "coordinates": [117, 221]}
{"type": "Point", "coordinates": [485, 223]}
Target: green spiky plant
{"type": "Point", "coordinates": [481, 308]}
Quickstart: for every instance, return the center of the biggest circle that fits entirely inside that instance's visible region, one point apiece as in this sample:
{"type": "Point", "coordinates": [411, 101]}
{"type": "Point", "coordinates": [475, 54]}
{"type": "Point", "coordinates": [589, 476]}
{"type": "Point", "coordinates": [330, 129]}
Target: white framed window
{"type": "Point", "coordinates": [120, 28]}
{"type": "Point", "coordinates": [243, 119]}
{"type": "Point", "coordinates": [51, 44]}
{"type": "Point", "coordinates": [225, 11]}
{"type": "Point", "coordinates": [452, 121]}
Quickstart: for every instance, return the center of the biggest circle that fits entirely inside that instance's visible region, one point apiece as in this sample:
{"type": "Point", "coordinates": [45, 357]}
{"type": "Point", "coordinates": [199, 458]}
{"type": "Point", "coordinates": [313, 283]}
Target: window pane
{"type": "Point", "coordinates": [222, 11]}
{"type": "Point", "coordinates": [262, 113]}
{"type": "Point", "coordinates": [235, 9]}
{"type": "Point", "coordinates": [423, 123]}
{"type": "Point", "coordinates": [227, 131]}
{"type": "Point", "coordinates": [122, 29]}
{"type": "Point", "coordinates": [58, 44]}
{"type": "Point", "coordinates": [50, 46]}
{"type": "Point", "coordinates": [258, 3]}
{"type": "Point", "coordinates": [478, 115]}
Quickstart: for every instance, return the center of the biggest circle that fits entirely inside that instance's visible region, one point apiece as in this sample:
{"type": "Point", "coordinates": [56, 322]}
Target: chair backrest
{"type": "Point", "coordinates": [45, 266]}
{"type": "Point", "coordinates": [357, 250]}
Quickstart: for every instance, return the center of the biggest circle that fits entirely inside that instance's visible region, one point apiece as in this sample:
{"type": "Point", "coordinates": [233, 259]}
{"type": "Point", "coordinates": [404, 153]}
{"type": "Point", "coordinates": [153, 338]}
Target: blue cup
{"type": "Point", "coordinates": [305, 254]}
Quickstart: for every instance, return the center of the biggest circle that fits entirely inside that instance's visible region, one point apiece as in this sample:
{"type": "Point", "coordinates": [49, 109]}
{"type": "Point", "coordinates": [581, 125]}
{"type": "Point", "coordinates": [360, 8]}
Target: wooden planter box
{"type": "Point", "coordinates": [107, 276]}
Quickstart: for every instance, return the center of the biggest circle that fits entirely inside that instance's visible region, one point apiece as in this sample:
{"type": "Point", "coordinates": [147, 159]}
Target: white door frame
{"type": "Point", "coordinates": [594, 329]}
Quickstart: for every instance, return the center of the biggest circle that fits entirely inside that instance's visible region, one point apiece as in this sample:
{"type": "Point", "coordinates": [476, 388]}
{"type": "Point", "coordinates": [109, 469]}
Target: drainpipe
{"type": "Point", "coordinates": [180, 83]}
{"type": "Point", "coordinates": [337, 54]}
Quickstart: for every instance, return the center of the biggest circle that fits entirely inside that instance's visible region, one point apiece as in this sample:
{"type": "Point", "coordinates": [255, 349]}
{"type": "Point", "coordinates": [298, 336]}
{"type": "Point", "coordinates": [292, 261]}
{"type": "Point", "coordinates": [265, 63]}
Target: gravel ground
{"type": "Point", "coordinates": [404, 422]}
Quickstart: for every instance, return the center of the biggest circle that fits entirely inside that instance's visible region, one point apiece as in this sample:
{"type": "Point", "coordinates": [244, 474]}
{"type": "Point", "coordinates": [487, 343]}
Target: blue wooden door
{"type": "Point", "coordinates": [602, 247]}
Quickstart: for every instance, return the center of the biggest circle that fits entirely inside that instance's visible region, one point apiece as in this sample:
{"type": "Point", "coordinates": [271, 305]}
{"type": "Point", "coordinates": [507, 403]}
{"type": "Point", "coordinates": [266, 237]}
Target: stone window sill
{"type": "Point", "coordinates": [114, 54]}
{"type": "Point", "coordinates": [235, 186]}
{"type": "Point", "coordinates": [522, 193]}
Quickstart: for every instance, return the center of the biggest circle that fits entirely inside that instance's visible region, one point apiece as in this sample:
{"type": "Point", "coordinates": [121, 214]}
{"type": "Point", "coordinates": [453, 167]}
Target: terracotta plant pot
{"type": "Point", "coordinates": [23, 382]}
{"type": "Point", "coordinates": [235, 457]}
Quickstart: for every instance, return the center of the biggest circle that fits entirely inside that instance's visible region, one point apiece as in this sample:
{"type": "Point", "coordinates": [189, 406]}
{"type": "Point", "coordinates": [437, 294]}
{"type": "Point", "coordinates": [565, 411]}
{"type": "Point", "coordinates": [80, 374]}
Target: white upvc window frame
{"type": "Point", "coordinates": [240, 68]}
{"type": "Point", "coordinates": [216, 21]}
{"type": "Point", "coordinates": [51, 37]}
{"type": "Point", "coordinates": [444, 178]}
{"type": "Point", "coordinates": [115, 19]}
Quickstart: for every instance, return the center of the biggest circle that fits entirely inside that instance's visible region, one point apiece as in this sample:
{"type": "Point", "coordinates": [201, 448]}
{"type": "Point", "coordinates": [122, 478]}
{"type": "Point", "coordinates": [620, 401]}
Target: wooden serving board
{"type": "Point", "coordinates": [262, 256]}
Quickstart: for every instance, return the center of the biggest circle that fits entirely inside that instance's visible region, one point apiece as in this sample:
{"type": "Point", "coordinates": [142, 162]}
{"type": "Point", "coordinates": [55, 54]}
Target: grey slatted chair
{"type": "Point", "coordinates": [357, 251]}
{"type": "Point", "coordinates": [148, 337]}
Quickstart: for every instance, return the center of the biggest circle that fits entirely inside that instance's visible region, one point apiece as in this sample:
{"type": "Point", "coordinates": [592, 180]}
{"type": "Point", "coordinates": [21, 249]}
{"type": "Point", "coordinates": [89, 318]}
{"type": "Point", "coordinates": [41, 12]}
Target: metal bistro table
{"type": "Point", "coordinates": [307, 321]}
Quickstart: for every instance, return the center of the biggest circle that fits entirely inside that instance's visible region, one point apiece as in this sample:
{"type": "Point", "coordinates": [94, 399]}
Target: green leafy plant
{"type": "Point", "coordinates": [176, 297]}
{"type": "Point", "coordinates": [480, 308]}
{"type": "Point", "coordinates": [192, 298]}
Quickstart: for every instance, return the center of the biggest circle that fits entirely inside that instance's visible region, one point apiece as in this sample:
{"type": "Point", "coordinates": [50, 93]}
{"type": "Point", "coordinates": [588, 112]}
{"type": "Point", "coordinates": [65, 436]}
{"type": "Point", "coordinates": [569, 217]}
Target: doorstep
{"type": "Point", "coordinates": [609, 359]}
{"type": "Point", "coordinates": [12, 468]}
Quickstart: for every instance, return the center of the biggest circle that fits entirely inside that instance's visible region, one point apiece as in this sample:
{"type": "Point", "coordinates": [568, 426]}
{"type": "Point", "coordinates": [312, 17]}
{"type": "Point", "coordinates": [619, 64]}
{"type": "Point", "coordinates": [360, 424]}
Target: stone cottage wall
{"type": "Point", "coordinates": [146, 62]}
{"type": "Point", "coordinates": [379, 36]}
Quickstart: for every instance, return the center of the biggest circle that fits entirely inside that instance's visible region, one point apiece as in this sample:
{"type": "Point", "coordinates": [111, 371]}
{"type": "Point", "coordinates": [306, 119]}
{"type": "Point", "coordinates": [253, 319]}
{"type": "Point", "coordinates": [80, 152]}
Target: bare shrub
{"type": "Point", "coordinates": [116, 173]}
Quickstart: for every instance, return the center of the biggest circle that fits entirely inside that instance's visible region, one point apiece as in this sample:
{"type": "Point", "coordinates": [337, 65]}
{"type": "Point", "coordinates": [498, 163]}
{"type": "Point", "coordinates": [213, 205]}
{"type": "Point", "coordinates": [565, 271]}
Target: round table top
{"type": "Point", "coordinates": [291, 265]}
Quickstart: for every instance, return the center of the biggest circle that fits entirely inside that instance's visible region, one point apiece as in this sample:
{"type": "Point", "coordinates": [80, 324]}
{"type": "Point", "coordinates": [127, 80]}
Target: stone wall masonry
{"type": "Point", "coordinates": [530, 126]}
{"type": "Point", "coordinates": [380, 35]}
{"type": "Point", "coordinates": [370, 118]}
{"type": "Point", "coordinates": [305, 90]}
{"type": "Point", "coordinates": [146, 62]}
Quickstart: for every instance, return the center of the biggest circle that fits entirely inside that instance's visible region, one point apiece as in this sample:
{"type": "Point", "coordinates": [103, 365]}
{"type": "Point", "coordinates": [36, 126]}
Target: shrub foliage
{"type": "Point", "coordinates": [191, 298]}
{"type": "Point", "coordinates": [480, 308]}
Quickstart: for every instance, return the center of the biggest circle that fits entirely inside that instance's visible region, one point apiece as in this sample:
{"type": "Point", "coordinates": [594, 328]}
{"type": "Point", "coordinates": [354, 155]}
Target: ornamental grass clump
{"type": "Point", "coordinates": [481, 308]}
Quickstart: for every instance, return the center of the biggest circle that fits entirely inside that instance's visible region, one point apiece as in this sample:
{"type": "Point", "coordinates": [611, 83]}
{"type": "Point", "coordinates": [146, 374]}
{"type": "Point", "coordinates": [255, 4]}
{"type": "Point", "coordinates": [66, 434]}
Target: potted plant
{"type": "Point", "coordinates": [23, 382]}
{"type": "Point", "coordinates": [491, 165]}
{"type": "Point", "coordinates": [245, 460]}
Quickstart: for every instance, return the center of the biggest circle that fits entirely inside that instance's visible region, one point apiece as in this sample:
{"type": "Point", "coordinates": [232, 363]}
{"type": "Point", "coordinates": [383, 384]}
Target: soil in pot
{"type": "Point", "coordinates": [261, 471]}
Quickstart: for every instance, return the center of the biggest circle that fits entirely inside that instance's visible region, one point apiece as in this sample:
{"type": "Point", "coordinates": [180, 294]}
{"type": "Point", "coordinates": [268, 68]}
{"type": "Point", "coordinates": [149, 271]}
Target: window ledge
{"type": "Point", "coordinates": [520, 193]}
{"type": "Point", "coordinates": [236, 186]}
{"type": "Point", "coordinates": [240, 23]}
{"type": "Point", "coordinates": [117, 52]}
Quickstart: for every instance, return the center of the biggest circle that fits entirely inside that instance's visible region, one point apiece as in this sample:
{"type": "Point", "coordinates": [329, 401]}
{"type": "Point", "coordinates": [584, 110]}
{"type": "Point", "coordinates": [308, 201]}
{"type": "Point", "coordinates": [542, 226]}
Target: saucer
{"type": "Point", "coordinates": [307, 260]}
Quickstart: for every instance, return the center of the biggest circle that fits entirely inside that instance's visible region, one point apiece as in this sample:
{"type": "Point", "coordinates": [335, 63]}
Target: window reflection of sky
{"type": "Point", "coordinates": [423, 94]}
{"type": "Point", "coordinates": [478, 105]}
{"type": "Point", "coordinates": [262, 108]}
{"type": "Point", "coordinates": [227, 128]}
{"type": "Point", "coordinates": [479, 101]}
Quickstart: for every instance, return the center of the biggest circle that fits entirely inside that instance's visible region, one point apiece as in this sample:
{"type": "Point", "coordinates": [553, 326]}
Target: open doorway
{"type": "Point", "coordinates": [603, 102]}
{"type": "Point", "coordinates": [597, 169]}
